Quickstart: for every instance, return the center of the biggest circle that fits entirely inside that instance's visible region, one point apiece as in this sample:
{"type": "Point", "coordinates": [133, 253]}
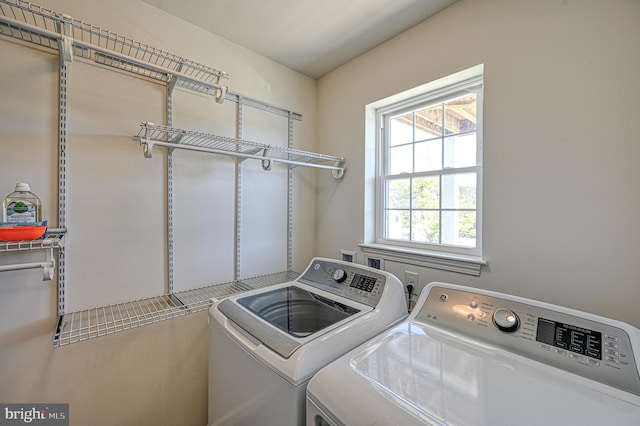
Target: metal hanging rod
{"type": "Point", "coordinates": [20, 266]}
{"type": "Point", "coordinates": [47, 268]}
{"type": "Point", "coordinates": [151, 134]}
{"type": "Point", "coordinates": [28, 22]}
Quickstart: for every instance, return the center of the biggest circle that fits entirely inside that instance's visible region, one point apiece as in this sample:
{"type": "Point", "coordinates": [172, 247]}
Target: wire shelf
{"type": "Point", "coordinates": [52, 241]}
{"type": "Point", "coordinates": [101, 321]}
{"type": "Point", "coordinates": [28, 22]}
{"type": "Point", "coordinates": [151, 134]}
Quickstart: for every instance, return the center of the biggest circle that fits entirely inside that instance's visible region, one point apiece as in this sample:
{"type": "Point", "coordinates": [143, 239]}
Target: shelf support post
{"type": "Point", "coordinates": [65, 43]}
{"type": "Point", "coordinates": [171, 85]}
{"type": "Point", "coordinates": [65, 46]}
{"type": "Point", "coordinates": [238, 192]}
{"type": "Point", "coordinates": [290, 196]}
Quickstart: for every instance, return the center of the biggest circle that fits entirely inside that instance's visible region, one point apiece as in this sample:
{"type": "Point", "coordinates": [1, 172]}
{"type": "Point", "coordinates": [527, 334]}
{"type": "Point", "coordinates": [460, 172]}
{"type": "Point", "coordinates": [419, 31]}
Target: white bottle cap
{"type": "Point", "coordinates": [23, 187]}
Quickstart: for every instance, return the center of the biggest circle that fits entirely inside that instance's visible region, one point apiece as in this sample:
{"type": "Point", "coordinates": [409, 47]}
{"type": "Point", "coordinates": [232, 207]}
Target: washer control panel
{"type": "Point", "coordinates": [590, 346]}
{"type": "Point", "coordinates": [349, 280]}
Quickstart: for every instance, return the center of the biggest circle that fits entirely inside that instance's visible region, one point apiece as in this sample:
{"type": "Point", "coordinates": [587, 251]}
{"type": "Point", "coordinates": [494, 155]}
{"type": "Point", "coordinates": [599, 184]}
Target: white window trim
{"type": "Point", "coordinates": [463, 264]}
{"type": "Point", "coordinates": [465, 261]}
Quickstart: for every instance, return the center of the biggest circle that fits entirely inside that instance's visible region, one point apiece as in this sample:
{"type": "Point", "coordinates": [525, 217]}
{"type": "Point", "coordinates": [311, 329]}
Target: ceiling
{"type": "Point", "coordinates": [309, 36]}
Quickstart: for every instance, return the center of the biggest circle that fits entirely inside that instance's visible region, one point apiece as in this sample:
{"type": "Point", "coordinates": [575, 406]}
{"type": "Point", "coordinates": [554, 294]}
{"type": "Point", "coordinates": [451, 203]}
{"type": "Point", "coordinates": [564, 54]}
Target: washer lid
{"type": "Point", "coordinates": [296, 312]}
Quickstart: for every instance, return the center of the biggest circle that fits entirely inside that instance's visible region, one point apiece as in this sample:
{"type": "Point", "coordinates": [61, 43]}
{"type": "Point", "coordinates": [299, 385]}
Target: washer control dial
{"type": "Point", "coordinates": [339, 275]}
{"type": "Point", "coordinates": [506, 320]}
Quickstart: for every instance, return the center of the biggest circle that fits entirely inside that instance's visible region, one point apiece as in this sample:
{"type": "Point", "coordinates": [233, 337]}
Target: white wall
{"type": "Point", "coordinates": [561, 150]}
{"type": "Point", "coordinates": [561, 153]}
{"type": "Point", "coordinates": [116, 215]}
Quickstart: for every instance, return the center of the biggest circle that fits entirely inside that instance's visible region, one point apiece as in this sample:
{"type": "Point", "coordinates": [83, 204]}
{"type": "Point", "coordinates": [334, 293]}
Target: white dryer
{"type": "Point", "coordinates": [265, 344]}
{"type": "Point", "coordinates": [470, 357]}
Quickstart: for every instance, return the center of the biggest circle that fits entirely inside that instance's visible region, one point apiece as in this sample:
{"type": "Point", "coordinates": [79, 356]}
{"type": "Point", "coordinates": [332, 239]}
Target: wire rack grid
{"type": "Point", "coordinates": [26, 21]}
{"type": "Point", "coordinates": [100, 321]}
{"type": "Point", "coordinates": [188, 138]}
{"type": "Point", "coordinates": [154, 134]}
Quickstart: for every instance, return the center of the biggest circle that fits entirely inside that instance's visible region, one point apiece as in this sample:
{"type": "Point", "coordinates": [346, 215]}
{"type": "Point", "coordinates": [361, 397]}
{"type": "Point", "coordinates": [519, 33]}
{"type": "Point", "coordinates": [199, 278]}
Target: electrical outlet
{"type": "Point", "coordinates": [348, 256]}
{"type": "Point", "coordinates": [375, 262]}
{"type": "Point", "coordinates": [411, 278]}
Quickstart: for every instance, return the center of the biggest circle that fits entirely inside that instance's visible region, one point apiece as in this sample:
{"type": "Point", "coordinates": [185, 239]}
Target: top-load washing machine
{"type": "Point", "coordinates": [265, 344]}
{"type": "Point", "coordinates": [469, 357]}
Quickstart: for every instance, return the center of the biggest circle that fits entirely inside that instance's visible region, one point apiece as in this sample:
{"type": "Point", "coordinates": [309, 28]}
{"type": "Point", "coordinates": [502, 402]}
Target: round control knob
{"type": "Point", "coordinates": [339, 275]}
{"type": "Point", "coordinates": [506, 320]}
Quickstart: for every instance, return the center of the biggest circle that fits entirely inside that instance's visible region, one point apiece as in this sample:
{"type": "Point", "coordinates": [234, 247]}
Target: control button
{"type": "Point", "coordinates": [473, 305]}
{"type": "Point", "coordinates": [471, 317]}
{"type": "Point", "coordinates": [612, 352]}
{"type": "Point", "coordinates": [611, 359]}
{"type": "Point", "coordinates": [560, 352]}
{"type": "Point", "coordinates": [575, 356]}
{"type": "Point", "coordinates": [339, 275]}
{"type": "Point", "coordinates": [593, 362]}
{"type": "Point", "coordinates": [506, 320]}
{"type": "Point", "coordinates": [544, 347]}
{"type": "Point", "coordinates": [443, 297]}
{"type": "Point", "coordinates": [611, 338]}
{"type": "Point", "coordinates": [611, 345]}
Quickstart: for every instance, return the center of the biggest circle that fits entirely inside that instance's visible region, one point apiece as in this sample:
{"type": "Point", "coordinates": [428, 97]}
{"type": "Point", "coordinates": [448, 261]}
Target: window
{"type": "Point", "coordinates": [429, 180]}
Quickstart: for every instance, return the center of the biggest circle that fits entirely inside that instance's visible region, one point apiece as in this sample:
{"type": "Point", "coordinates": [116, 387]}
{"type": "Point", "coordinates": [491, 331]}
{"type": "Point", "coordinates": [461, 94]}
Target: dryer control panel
{"type": "Point", "coordinates": [594, 347]}
{"type": "Point", "coordinates": [349, 280]}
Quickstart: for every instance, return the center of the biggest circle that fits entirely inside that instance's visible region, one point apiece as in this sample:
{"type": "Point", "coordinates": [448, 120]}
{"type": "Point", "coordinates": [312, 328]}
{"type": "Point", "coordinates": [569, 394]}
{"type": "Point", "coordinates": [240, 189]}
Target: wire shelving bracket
{"type": "Point", "coordinates": [151, 135]}
{"type": "Point", "coordinates": [71, 38]}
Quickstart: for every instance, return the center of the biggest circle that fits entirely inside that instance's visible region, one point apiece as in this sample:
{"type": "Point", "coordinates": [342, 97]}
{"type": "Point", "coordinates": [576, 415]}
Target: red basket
{"type": "Point", "coordinates": [21, 233]}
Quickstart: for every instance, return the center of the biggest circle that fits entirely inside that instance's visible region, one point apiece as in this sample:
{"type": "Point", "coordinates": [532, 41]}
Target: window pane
{"type": "Point", "coordinates": [425, 193]}
{"type": "Point", "coordinates": [401, 159]}
{"type": "Point", "coordinates": [428, 155]}
{"type": "Point", "coordinates": [430, 169]}
{"type": "Point", "coordinates": [401, 129]}
{"type": "Point", "coordinates": [459, 191]}
{"type": "Point", "coordinates": [461, 114]}
{"type": "Point", "coordinates": [460, 151]}
{"type": "Point", "coordinates": [398, 194]}
{"type": "Point", "coordinates": [425, 226]}
{"type": "Point", "coordinates": [397, 224]}
{"type": "Point", "coordinates": [459, 228]}
{"type": "Point", "coordinates": [429, 122]}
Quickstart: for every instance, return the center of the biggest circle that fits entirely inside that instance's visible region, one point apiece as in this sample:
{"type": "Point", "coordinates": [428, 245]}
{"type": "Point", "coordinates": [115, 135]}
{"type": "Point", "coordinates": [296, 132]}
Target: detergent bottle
{"type": "Point", "coordinates": [22, 206]}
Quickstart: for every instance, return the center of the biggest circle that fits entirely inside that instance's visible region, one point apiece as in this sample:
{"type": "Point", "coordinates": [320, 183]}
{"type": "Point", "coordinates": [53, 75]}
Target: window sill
{"type": "Point", "coordinates": [451, 262]}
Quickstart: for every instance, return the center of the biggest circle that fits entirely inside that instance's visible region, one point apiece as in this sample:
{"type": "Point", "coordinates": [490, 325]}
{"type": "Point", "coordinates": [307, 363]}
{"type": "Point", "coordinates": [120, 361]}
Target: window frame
{"type": "Point", "coordinates": [400, 106]}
